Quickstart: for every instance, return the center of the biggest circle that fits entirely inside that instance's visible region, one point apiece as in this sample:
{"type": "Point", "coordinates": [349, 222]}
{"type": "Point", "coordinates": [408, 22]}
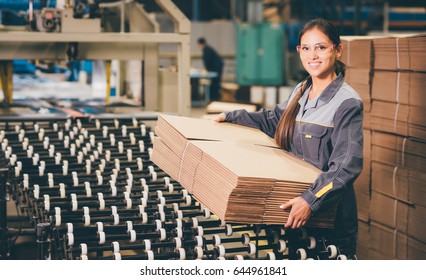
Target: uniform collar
{"type": "Point", "coordinates": [331, 90]}
{"type": "Point", "coordinates": [328, 93]}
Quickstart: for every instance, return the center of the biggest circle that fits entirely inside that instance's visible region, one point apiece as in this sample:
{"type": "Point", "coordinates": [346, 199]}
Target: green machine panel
{"type": "Point", "coordinates": [260, 54]}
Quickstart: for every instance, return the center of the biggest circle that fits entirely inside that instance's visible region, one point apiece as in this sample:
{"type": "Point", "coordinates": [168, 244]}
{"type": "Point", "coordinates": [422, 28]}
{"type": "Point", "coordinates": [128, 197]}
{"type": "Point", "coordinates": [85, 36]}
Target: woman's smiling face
{"type": "Point", "coordinates": [318, 53]}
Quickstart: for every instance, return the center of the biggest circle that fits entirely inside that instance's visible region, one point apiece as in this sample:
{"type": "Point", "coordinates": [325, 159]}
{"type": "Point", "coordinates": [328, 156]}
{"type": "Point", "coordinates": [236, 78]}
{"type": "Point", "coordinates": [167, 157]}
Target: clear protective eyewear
{"type": "Point", "coordinates": [319, 49]}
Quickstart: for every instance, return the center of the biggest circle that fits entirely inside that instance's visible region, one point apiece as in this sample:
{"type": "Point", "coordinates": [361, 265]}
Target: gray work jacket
{"type": "Point", "coordinates": [328, 134]}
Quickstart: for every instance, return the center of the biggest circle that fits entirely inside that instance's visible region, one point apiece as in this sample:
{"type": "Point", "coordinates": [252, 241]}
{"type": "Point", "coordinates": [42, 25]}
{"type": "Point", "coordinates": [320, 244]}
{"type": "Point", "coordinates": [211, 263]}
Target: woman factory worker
{"type": "Point", "coordinates": [321, 123]}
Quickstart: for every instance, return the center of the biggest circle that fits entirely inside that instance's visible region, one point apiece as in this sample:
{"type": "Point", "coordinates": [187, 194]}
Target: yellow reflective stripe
{"type": "Point", "coordinates": [324, 190]}
{"type": "Point", "coordinates": [308, 136]}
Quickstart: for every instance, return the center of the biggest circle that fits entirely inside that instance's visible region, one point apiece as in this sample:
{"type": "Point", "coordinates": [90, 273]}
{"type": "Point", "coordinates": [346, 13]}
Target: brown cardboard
{"type": "Point", "coordinates": [400, 52]}
{"type": "Point", "coordinates": [397, 158]}
{"type": "Point", "coordinates": [398, 118]}
{"type": "Point", "coordinates": [360, 80]}
{"type": "Point", "coordinates": [417, 89]}
{"type": "Point", "coordinates": [235, 189]}
{"type": "Point", "coordinates": [391, 53]}
{"type": "Point", "coordinates": [358, 51]}
{"type": "Point", "coordinates": [363, 180]}
{"type": "Point", "coordinates": [363, 244]}
{"type": "Point", "coordinates": [390, 111]}
{"type": "Point", "coordinates": [246, 160]}
{"type": "Point", "coordinates": [400, 87]}
{"type": "Point", "coordinates": [234, 171]}
{"type": "Point", "coordinates": [201, 129]}
{"type": "Point", "coordinates": [391, 86]}
{"type": "Point", "coordinates": [417, 131]}
{"type": "Point", "coordinates": [417, 52]}
{"type": "Point", "coordinates": [400, 183]}
{"type": "Point", "coordinates": [408, 219]}
{"type": "Point", "coordinates": [398, 151]}
{"type": "Point", "coordinates": [363, 204]}
{"type": "Point", "coordinates": [367, 143]}
{"type": "Point", "coordinates": [366, 122]}
{"type": "Point", "coordinates": [386, 243]}
{"type": "Point", "coordinates": [216, 107]}
{"type": "Point", "coordinates": [416, 250]}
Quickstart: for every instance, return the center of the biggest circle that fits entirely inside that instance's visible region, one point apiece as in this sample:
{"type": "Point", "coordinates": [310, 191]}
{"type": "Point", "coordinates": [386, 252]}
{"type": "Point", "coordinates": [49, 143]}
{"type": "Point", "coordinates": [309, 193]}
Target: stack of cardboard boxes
{"type": "Point", "coordinates": [358, 58]}
{"type": "Point", "coordinates": [391, 216]}
{"type": "Point", "coordinates": [398, 122]}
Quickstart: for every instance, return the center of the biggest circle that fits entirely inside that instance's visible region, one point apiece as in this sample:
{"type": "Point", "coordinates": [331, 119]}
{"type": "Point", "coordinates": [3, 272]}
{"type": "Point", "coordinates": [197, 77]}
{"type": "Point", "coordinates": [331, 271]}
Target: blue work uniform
{"type": "Point", "coordinates": [328, 134]}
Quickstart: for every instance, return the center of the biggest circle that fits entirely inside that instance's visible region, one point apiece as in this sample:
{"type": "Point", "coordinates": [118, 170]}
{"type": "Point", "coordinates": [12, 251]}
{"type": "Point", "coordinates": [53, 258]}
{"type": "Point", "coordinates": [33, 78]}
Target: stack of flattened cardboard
{"type": "Point", "coordinates": [399, 103]}
{"type": "Point", "coordinates": [358, 56]}
{"type": "Point", "coordinates": [237, 172]}
{"type": "Point", "coordinates": [398, 136]}
{"type": "Point", "coordinates": [398, 153]}
{"type": "Point", "coordinates": [400, 52]}
{"type": "Point", "coordinates": [398, 85]}
{"type": "Point", "coordinates": [399, 186]}
{"type": "Point", "coordinates": [389, 73]}
{"type": "Point", "coordinates": [174, 136]}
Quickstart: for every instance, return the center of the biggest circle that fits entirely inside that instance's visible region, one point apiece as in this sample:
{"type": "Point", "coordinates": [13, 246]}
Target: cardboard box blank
{"type": "Point", "coordinates": [360, 80]}
{"type": "Point", "coordinates": [400, 52]}
{"type": "Point", "coordinates": [399, 151]}
{"type": "Point", "coordinates": [400, 87]}
{"type": "Point", "coordinates": [234, 171]}
{"type": "Point", "coordinates": [366, 121]}
{"type": "Point", "coordinates": [398, 118]}
{"type": "Point", "coordinates": [386, 244]}
{"type": "Point", "coordinates": [358, 51]}
{"type": "Point", "coordinates": [398, 182]}
{"type": "Point", "coordinates": [408, 219]}
{"type": "Point", "coordinates": [367, 143]}
{"type": "Point", "coordinates": [363, 180]}
{"type": "Point", "coordinates": [417, 52]}
{"type": "Point", "coordinates": [363, 244]}
{"type": "Point", "coordinates": [363, 204]}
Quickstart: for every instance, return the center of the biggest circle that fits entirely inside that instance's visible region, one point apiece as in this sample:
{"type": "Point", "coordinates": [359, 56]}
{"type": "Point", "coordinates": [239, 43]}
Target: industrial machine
{"type": "Point", "coordinates": [106, 31]}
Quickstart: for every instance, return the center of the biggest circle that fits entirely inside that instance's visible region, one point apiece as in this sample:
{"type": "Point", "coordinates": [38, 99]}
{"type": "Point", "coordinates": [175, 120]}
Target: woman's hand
{"type": "Point", "coordinates": [220, 118]}
{"type": "Point", "coordinates": [299, 212]}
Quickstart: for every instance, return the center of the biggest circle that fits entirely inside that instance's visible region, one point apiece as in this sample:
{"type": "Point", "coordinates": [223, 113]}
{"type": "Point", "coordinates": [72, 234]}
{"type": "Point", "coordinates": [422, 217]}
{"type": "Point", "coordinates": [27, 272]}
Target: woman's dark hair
{"type": "Point", "coordinates": [285, 128]}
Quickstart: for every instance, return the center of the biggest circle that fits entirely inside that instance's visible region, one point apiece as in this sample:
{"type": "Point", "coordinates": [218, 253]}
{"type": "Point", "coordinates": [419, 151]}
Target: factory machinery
{"type": "Point", "coordinates": [109, 30]}
{"type": "Point", "coordinates": [90, 191]}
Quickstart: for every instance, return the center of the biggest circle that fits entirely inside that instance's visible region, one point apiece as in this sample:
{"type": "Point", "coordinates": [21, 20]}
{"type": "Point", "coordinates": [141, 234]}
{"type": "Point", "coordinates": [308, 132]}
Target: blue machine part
{"type": "Point", "coordinates": [22, 66]}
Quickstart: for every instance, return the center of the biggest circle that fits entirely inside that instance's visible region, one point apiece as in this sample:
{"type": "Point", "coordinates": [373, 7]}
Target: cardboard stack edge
{"type": "Point", "coordinates": [389, 74]}
{"type": "Point", "coordinates": [236, 172]}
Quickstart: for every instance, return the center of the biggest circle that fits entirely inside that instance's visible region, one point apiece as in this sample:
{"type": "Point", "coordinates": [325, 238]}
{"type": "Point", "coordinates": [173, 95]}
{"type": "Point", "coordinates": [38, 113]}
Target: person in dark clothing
{"type": "Point", "coordinates": [321, 123]}
{"type": "Point", "coordinates": [213, 63]}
